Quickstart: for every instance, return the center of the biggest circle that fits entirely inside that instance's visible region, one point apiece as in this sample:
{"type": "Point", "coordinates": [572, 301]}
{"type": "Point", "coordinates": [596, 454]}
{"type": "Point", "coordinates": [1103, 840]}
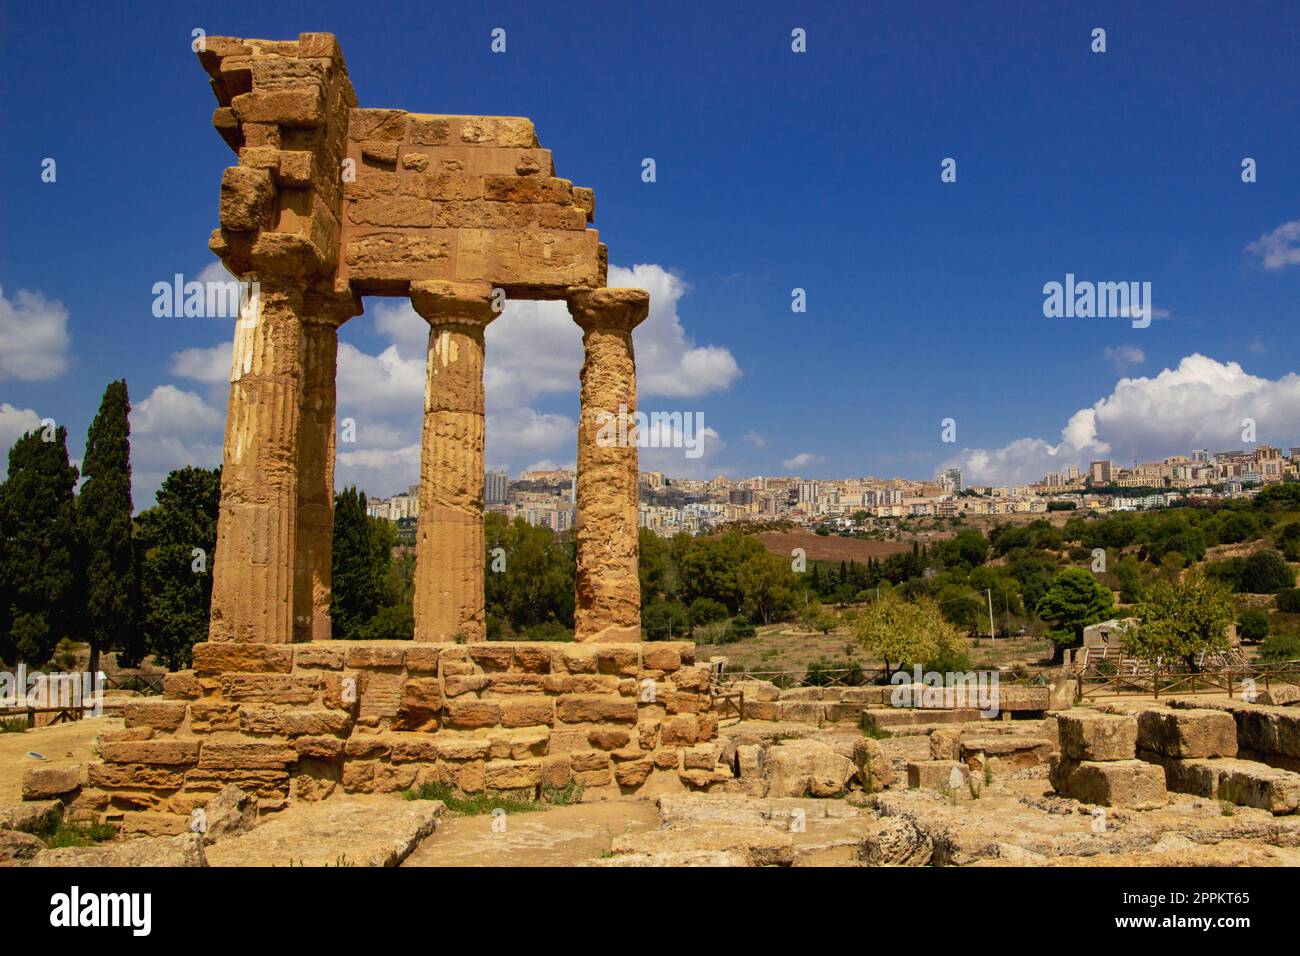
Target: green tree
{"type": "Point", "coordinates": [104, 524]}
{"type": "Point", "coordinates": [1265, 572]}
{"type": "Point", "coordinates": [176, 543]}
{"type": "Point", "coordinates": [704, 611]}
{"type": "Point", "coordinates": [1288, 541]}
{"type": "Point", "coordinates": [529, 577]}
{"type": "Point", "coordinates": [767, 586]}
{"type": "Point", "coordinates": [359, 566]}
{"type": "Point", "coordinates": [665, 621]}
{"type": "Point", "coordinates": [1074, 601]}
{"type": "Point", "coordinates": [40, 594]}
{"type": "Point", "coordinates": [902, 632]}
{"type": "Point", "coordinates": [1179, 619]}
{"type": "Point", "coordinates": [1252, 625]}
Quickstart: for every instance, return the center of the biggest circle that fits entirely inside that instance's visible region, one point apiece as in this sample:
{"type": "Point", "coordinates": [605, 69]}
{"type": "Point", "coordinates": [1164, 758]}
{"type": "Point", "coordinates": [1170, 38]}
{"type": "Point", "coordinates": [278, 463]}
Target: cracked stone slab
{"type": "Point", "coordinates": [342, 831]}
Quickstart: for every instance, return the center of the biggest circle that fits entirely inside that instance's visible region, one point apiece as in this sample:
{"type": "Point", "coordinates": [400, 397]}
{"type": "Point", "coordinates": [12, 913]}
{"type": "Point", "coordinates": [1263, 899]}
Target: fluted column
{"type": "Point", "coordinates": [449, 549]}
{"type": "Point", "coordinates": [322, 316]}
{"type": "Point", "coordinates": [608, 593]}
{"type": "Point", "coordinates": [253, 570]}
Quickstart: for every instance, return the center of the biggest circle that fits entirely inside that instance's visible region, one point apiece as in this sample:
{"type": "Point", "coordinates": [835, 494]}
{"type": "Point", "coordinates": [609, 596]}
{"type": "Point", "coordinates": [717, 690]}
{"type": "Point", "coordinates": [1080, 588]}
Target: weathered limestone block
{"type": "Point", "coordinates": [133, 776]}
{"type": "Point", "coordinates": [249, 658]}
{"type": "Point", "coordinates": [935, 774]}
{"type": "Point", "coordinates": [945, 743]}
{"type": "Point", "coordinates": [798, 768]}
{"type": "Point", "coordinates": [271, 720]}
{"type": "Point", "coordinates": [578, 709]}
{"type": "Point", "coordinates": [161, 752]}
{"type": "Point", "coordinates": [45, 783]}
{"type": "Point", "coordinates": [222, 752]}
{"type": "Point", "coordinates": [295, 689]}
{"type": "Point", "coordinates": [319, 748]}
{"type": "Point", "coordinates": [1243, 782]}
{"type": "Point", "coordinates": [1134, 784]}
{"type": "Point", "coordinates": [467, 714]}
{"type": "Point", "coordinates": [875, 771]}
{"type": "Point", "coordinates": [247, 199]}
{"type": "Point", "coordinates": [1187, 733]}
{"type": "Point", "coordinates": [183, 850]}
{"type": "Point", "coordinates": [608, 592]}
{"type": "Point", "coordinates": [18, 848]}
{"type": "Point", "coordinates": [229, 813]}
{"type": "Point", "coordinates": [1005, 753]}
{"type": "Point", "coordinates": [161, 715]}
{"type": "Point", "coordinates": [181, 685]}
{"type": "Point", "coordinates": [450, 549]}
{"type": "Point", "coordinates": [1095, 737]}
{"type": "Point", "coordinates": [528, 711]}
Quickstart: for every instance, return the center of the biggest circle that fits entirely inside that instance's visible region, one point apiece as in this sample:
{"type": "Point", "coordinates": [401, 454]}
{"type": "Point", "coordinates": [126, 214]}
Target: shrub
{"type": "Point", "coordinates": [705, 610]}
{"type": "Point", "coordinates": [664, 621]}
{"type": "Point", "coordinates": [1281, 646]}
{"type": "Point", "coordinates": [739, 629]}
{"type": "Point", "coordinates": [1288, 600]}
{"type": "Point", "coordinates": [1266, 572]}
{"type": "Point", "coordinates": [548, 631]}
{"type": "Point", "coordinates": [1252, 626]}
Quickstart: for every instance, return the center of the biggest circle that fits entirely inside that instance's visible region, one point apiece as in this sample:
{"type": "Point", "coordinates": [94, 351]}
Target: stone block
{"type": "Point", "coordinates": [1133, 784]}
{"type": "Point", "coordinates": [1096, 737]}
{"type": "Point", "coordinates": [1187, 733]}
{"type": "Point", "coordinates": [163, 752]}
{"type": "Point", "coordinates": [679, 731]}
{"type": "Point", "coordinates": [318, 657]}
{"type": "Point", "coordinates": [468, 713]}
{"type": "Point", "coordinates": [220, 658]}
{"type": "Point", "coordinates": [45, 783]}
{"type": "Point", "coordinates": [935, 774]}
{"type": "Point", "coordinates": [243, 753]}
{"type": "Point", "coordinates": [581, 708]}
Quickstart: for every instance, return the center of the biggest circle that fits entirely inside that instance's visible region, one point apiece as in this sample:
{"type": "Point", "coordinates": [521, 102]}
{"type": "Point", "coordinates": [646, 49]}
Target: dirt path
{"type": "Point", "coordinates": [563, 836]}
{"type": "Point", "coordinates": [62, 745]}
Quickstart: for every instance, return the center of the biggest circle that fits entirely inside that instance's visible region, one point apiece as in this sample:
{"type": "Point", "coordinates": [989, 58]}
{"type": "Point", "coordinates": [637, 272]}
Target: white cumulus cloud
{"type": "Point", "coordinates": [1279, 248]}
{"type": "Point", "coordinates": [1201, 403]}
{"type": "Point", "coordinates": [33, 337]}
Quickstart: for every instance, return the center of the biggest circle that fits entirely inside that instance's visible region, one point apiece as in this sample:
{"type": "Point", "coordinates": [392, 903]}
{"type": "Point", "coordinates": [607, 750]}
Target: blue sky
{"type": "Point", "coordinates": [775, 170]}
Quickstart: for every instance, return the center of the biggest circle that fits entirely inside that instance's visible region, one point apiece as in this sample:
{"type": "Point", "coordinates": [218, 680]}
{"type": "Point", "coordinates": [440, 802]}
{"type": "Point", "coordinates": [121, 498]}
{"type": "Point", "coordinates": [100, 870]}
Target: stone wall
{"type": "Point", "coordinates": [304, 721]}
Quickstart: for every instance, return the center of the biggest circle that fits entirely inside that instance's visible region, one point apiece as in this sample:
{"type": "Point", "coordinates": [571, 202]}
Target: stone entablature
{"type": "Point", "coordinates": [330, 202]}
{"type": "Point", "coordinates": [304, 721]}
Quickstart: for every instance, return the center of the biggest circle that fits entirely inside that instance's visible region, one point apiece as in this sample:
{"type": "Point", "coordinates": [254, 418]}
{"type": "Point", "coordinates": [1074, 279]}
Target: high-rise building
{"type": "Point", "coordinates": [495, 487]}
{"type": "Point", "coordinates": [1099, 472]}
{"type": "Point", "coordinates": [950, 480]}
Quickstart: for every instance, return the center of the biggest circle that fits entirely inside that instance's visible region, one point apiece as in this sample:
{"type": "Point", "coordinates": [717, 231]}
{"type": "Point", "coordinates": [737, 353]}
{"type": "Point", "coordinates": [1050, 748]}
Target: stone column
{"type": "Point", "coordinates": [449, 549]}
{"type": "Point", "coordinates": [608, 593]}
{"type": "Point", "coordinates": [322, 316]}
{"type": "Point", "coordinates": [253, 570]}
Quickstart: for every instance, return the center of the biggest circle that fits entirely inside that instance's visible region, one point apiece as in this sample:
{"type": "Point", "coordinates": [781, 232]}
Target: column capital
{"type": "Point", "coordinates": [615, 309]}
{"type": "Point", "coordinates": [453, 303]}
{"type": "Point", "coordinates": [330, 307]}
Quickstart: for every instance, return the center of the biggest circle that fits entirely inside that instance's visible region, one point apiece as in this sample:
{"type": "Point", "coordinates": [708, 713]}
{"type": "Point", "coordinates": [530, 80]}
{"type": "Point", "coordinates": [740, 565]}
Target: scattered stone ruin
{"type": "Point", "coordinates": [329, 203]}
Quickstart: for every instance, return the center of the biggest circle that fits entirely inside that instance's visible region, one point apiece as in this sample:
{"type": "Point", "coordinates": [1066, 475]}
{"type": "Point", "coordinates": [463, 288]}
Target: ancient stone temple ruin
{"type": "Point", "coordinates": [329, 203]}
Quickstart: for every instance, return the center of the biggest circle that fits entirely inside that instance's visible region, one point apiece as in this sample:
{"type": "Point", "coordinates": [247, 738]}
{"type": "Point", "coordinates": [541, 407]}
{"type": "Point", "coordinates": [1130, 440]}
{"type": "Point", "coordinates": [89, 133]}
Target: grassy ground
{"type": "Point", "coordinates": [788, 647]}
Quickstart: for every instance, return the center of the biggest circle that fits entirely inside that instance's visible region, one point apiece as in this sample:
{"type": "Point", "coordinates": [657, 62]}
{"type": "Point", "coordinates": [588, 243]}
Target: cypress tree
{"type": "Point", "coordinates": [355, 568]}
{"type": "Point", "coordinates": [176, 579]}
{"type": "Point", "coordinates": [40, 596]}
{"type": "Point", "coordinates": [104, 523]}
